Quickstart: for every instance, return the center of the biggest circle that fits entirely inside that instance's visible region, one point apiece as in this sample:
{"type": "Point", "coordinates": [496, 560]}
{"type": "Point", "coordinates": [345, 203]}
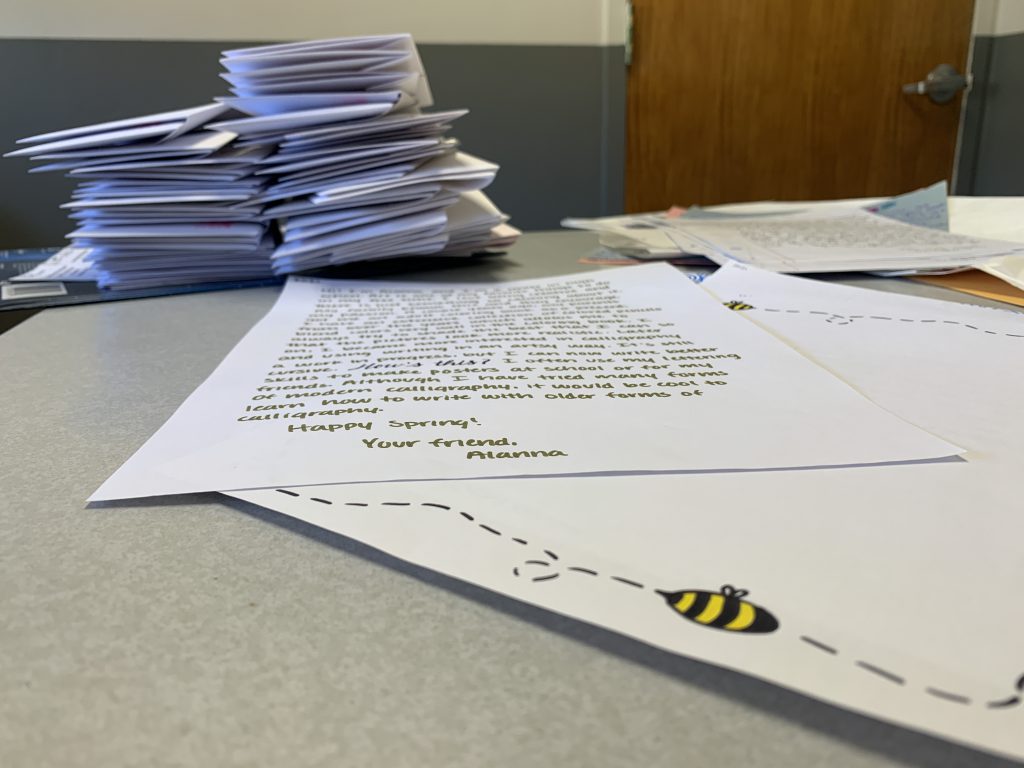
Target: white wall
{"type": "Point", "coordinates": [1009, 17]}
{"type": "Point", "coordinates": [999, 17]}
{"type": "Point", "coordinates": [532, 22]}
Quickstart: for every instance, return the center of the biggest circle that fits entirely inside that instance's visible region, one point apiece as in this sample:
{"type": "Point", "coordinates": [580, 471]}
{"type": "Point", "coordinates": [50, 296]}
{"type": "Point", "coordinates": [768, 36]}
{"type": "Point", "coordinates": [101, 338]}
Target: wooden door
{"type": "Point", "coordinates": [736, 100]}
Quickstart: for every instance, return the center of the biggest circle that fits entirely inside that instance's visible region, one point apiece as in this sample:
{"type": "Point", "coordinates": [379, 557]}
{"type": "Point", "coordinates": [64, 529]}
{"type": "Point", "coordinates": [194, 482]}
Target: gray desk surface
{"type": "Point", "coordinates": [199, 631]}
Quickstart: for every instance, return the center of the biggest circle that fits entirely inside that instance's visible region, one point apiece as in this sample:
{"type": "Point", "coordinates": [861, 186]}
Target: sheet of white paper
{"type": "Point", "coordinates": [926, 207]}
{"type": "Point", "coordinates": [832, 239]}
{"type": "Point", "coordinates": [68, 265]}
{"type": "Point", "coordinates": [632, 369]}
{"type": "Point", "coordinates": [999, 217]}
{"type": "Point", "coordinates": [889, 583]}
{"type": "Point", "coordinates": [1010, 269]}
{"type": "Point", "coordinates": [640, 233]}
{"type": "Point", "coordinates": [646, 235]}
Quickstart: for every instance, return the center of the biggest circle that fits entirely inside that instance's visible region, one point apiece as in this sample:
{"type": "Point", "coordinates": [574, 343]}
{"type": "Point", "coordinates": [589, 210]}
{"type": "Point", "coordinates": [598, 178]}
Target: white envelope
{"type": "Point", "coordinates": [363, 42]}
{"type": "Point", "coordinates": [118, 138]}
{"type": "Point", "coordinates": [151, 199]}
{"type": "Point", "coordinates": [336, 173]}
{"type": "Point", "coordinates": [376, 175]}
{"type": "Point", "coordinates": [315, 225]}
{"type": "Point", "coordinates": [420, 191]}
{"type": "Point", "coordinates": [215, 231]}
{"type": "Point", "coordinates": [188, 119]}
{"type": "Point", "coordinates": [386, 124]}
{"type": "Point", "coordinates": [293, 102]}
{"type": "Point", "coordinates": [399, 42]}
{"type": "Point", "coordinates": [198, 143]}
{"type": "Point", "coordinates": [307, 117]}
{"type": "Point", "coordinates": [324, 243]}
{"type": "Point", "coordinates": [298, 161]}
{"type": "Point", "coordinates": [416, 243]}
{"type": "Point", "coordinates": [462, 171]}
{"type": "Point", "coordinates": [364, 82]}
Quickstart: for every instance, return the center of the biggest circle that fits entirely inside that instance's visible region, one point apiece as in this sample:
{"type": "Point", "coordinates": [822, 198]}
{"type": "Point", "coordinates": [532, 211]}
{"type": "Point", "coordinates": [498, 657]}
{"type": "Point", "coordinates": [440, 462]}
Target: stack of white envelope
{"type": "Point", "coordinates": [161, 200]}
{"type": "Point", "coordinates": [355, 170]}
{"type": "Point", "coordinates": [320, 157]}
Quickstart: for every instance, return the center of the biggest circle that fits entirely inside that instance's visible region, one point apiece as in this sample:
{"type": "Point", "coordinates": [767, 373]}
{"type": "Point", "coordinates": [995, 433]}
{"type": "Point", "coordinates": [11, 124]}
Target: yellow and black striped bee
{"type": "Point", "coordinates": [738, 305]}
{"type": "Point", "coordinates": [722, 610]}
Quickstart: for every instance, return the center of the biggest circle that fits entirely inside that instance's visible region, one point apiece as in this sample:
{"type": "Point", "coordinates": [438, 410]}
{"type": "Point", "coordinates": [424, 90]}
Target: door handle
{"type": "Point", "coordinates": [941, 84]}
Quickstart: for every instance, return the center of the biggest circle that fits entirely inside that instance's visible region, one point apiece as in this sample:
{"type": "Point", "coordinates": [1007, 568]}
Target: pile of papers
{"type": "Point", "coordinates": [763, 472]}
{"type": "Point", "coordinates": [902, 235]}
{"type": "Point", "coordinates": [321, 156]}
{"type": "Point", "coordinates": [353, 173]}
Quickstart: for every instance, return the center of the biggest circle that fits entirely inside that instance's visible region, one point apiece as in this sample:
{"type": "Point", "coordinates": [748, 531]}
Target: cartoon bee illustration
{"type": "Point", "coordinates": [738, 305]}
{"type": "Point", "coordinates": [722, 610]}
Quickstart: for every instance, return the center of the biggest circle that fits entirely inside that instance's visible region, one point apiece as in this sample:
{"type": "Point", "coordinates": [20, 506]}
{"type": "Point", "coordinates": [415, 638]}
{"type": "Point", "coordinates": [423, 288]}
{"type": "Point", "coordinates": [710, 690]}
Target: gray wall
{"type": "Point", "coordinates": [551, 116]}
{"type": "Point", "coordinates": [992, 145]}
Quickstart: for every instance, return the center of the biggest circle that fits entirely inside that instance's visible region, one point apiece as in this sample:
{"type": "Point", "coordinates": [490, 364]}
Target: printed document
{"type": "Point", "coordinates": [630, 370]}
{"type": "Point", "coordinates": [882, 589]}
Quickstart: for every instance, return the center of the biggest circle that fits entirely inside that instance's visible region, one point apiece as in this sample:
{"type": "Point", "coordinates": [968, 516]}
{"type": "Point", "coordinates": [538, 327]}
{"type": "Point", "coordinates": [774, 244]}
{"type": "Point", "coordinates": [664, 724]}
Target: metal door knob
{"type": "Point", "coordinates": [941, 85]}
